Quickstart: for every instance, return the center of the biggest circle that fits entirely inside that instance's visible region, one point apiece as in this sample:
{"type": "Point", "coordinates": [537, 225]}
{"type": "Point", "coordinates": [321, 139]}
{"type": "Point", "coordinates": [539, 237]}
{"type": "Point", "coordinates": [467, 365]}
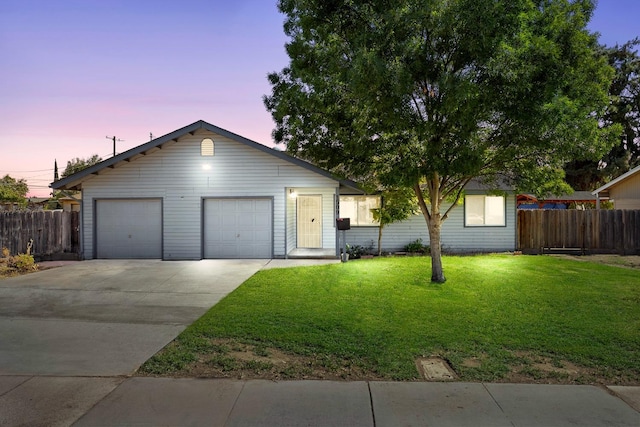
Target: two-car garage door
{"type": "Point", "coordinates": [232, 228]}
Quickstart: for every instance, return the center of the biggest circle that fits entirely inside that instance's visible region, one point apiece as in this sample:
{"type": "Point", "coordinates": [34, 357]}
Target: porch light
{"type": "Point", "coordinates": [292, 193]}
{"type": "Point", "coordinates": [206, 166]}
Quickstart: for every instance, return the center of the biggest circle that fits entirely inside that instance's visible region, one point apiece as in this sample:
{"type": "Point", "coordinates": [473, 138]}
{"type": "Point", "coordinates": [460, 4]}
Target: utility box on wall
{"type": "Point", "coordinates": [344, 223]}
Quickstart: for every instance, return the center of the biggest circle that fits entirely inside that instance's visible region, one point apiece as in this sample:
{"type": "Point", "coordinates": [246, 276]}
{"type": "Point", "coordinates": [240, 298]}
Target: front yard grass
{"type": "Point", "coordinates": [497, 318]}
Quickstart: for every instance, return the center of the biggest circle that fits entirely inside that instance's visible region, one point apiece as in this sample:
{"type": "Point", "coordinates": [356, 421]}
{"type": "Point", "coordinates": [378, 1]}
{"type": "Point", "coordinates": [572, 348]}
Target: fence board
{"type": "Point", "coordinates": [589, 231]}
{"type": "Point", "coordinates": [55, 234]}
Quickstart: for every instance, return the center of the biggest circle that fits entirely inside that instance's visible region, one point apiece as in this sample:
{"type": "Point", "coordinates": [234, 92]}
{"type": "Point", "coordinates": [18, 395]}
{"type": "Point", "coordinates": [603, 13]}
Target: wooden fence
{"type": "Point", "coordinates": [55, 234]}
{"type": "Point", "coordinates": [588, 231]}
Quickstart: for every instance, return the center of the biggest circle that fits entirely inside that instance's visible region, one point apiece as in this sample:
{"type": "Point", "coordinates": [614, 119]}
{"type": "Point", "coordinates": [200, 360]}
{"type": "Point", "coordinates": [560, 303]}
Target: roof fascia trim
{"type": "Point", "coordinates": [191, 129]}
{"type": "Point", "coordinates": [617, 180]}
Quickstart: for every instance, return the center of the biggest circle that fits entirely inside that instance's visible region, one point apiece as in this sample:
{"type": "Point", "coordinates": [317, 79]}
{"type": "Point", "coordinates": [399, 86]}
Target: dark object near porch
{"type": "Point", "coordinates": [344, 223]}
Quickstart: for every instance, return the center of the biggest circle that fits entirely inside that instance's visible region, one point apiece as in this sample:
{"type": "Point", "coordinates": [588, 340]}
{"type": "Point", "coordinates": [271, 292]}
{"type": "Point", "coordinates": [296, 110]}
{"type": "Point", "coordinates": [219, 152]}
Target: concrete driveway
{"type": "Point", "coordinates": [104, 318]}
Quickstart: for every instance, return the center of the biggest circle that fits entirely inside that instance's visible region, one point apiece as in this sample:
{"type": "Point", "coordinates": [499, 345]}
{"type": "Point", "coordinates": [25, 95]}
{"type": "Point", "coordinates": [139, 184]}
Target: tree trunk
{"type": "Point", "coordinates": [434, 223]}
{"type": "Point", "coordinates": [380, 240]}
{"type": "Point", "coordinates": [435, 226]}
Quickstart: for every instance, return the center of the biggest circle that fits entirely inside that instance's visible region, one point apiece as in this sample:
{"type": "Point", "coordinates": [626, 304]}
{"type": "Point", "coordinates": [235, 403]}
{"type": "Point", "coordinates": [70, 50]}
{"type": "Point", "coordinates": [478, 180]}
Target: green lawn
{"type": "Point", "coordinates": [496, 316]}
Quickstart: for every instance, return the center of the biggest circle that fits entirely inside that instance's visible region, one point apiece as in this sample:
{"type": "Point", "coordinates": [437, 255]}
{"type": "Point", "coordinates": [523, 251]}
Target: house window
{"type": "Point", "coordinates": [206, 147]}
{"type": "Point", "coordinates": [484, 211]}
{"type": "Point", "coordinates": [358, 209]}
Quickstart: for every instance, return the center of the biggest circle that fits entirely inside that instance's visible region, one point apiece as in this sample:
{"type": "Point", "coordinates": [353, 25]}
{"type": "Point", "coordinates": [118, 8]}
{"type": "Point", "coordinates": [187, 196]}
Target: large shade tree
{"type": "Point", "coordinates": [623, 111]}
{"type": "Point", "coordinates": [428, 94]}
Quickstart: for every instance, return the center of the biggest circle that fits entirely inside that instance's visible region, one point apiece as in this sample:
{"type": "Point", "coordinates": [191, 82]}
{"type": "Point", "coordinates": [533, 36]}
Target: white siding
{"type": "Point", "coordinates": [455, 236]}
{"type": "Point", "coordinates": [176, 175]}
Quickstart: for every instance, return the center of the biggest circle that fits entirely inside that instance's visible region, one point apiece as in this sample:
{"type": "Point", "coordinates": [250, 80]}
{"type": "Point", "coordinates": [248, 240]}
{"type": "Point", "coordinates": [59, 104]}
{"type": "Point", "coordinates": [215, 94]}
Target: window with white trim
{"type": "Point", "coordinates": [481, 210]}
{"type": "Point", "coordinates": [358, 209]}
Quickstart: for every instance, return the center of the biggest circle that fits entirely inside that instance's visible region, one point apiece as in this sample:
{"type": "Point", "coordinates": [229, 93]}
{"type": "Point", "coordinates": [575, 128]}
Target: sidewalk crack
{"type": "Point", "coordinates": [497, 404]}
{"type": "Point", "coordinates": [235, 402]}
{"type": "Point", "coordinates": [373, 413]}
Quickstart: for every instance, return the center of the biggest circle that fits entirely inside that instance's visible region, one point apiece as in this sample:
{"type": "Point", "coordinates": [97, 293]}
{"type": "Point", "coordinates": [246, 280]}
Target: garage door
{"type": "Point", "coordinates": [129, 228]}
{"type": "Point", "coordinates": [237, 228]}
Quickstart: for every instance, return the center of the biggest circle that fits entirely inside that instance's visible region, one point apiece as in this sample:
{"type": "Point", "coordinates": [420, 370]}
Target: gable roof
{"type": "Point", "coordinates": [72, 182]}
{"type": "Point", "coordinates": [616, 181]}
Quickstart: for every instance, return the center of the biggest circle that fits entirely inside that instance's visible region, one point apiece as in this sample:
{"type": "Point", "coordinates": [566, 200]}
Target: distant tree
{"type": "Point", "coordinates": [12, 190]}
{"type": "Point", "coordinates": [429, 94]}
{"type": "Point", "coordinates": [624, 111]}
{"type": "Point", "coordinates": [78, 164]}
{"type": "Point", "coordinates": [396, 205]}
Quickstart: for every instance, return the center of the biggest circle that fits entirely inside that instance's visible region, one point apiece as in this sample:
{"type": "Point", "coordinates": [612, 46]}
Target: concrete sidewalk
{"type": "Point", "coordinates": [202, 402]}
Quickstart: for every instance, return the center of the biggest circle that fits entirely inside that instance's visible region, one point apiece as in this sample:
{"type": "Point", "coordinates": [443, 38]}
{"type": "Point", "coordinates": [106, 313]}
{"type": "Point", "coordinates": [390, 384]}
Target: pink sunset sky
{"type": "Point", "coordinates": [73, 72]}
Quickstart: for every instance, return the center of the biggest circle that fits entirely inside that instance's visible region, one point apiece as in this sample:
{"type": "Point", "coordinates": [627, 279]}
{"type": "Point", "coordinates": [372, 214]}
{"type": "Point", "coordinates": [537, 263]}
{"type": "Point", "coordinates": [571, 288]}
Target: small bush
{"type": "Point", "coordinates": [5, 253]}
{"type": "Point", "coordinates": [22, 263]}
{"type": "Point", "coordinates": [417, 247]}
{"type": "Point", "coordinates": [356, 251]}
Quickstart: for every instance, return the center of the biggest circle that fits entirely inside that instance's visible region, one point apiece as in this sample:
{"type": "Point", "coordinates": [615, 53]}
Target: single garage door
{"type": "Point", "coordinates": [237, 228]}
{"type": "Point", "coordinates": [129, 228]}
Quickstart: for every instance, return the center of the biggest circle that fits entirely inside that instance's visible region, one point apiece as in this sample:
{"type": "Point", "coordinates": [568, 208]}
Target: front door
{"type": "Point", "coordinates": [309, 221]}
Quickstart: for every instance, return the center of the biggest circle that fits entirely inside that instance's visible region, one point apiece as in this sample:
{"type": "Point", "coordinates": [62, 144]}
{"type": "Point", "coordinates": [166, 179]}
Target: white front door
{"type": "Point", "coordinates": [309, 221]}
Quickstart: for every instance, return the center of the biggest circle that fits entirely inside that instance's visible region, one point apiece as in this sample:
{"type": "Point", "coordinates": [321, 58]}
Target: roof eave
{"type": "Point", "coordinates": [74, 181]}
{"type": "Point", "coordinates": [617, 180]}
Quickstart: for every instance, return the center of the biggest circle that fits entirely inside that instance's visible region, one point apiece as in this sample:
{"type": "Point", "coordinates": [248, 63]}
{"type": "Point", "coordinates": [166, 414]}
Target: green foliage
{"type": "Point", "coordinates": [428, 94]}
{"type": "Point", "coordinates": [417, 247]}
{"type": "Point", "coordinates": [22, 263]}
{"type": "Point", "coordinates": [13, 190]}
{"type": "Point", "coordinates": [78, 164]}
{"type": "Point", "coordinates": [356, 251]}
{"type": "Point", "coordinates": [382, 314]}
{"type": "Point", "coordinates": [397, 205]}
{"type": "Point", "coordinates": [623, 112]}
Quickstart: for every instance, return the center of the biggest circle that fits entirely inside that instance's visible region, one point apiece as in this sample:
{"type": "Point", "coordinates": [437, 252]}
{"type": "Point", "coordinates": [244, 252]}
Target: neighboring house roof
{"type": "Point", "coordinates": [37, 200]}
{"type": "Point", "coordinates": [73, 182]}
{"type": "Point", "coordinates": [576, 196]}
{"type": "Point", "coordinates": [617, 181]}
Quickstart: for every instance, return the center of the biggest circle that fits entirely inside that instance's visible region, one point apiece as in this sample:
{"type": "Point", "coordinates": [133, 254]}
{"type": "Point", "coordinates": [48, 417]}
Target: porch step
{"type": "Point", "coordinates": [303, 253]}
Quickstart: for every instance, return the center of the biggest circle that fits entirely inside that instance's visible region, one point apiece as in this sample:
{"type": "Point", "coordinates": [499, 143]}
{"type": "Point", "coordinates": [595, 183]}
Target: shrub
{"type": "Point", "coordinates": [356, 251]}
{"type": "Point", "coordinates": [22, 263]}
{"type": "Point", "coordinates": [5, 253]}
{"type": "Point", "coordinates": [417, 247]}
